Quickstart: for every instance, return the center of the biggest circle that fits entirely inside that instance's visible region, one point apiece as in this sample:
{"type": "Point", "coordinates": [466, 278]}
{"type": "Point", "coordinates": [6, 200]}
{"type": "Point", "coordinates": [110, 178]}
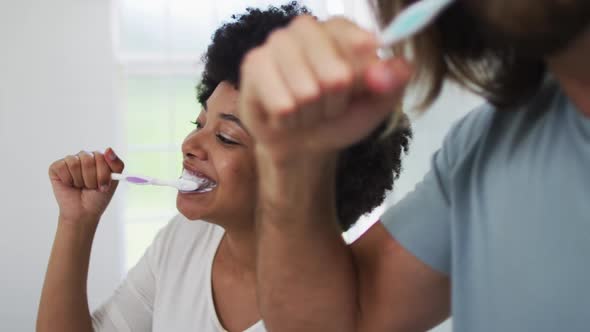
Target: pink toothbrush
{"type": "Point", "coordinates": [180, 184]}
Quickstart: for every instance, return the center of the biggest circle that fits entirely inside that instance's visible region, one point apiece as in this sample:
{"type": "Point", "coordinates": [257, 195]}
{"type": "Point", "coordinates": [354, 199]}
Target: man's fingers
{"type": "Point", "coordinates": [331, 69]}
{"type": "Point", "coordinates": [269, 93]}
{"type": "Point", "coordinates": [388, 76]}
{"type": "Point", "coordinates": [292, 65]}
{"type": "Point", "coordinates": [356, 45]}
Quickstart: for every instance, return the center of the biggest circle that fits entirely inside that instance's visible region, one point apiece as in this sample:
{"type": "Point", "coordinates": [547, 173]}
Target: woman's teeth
{"type": "Point", "coordinates": [205, 184]}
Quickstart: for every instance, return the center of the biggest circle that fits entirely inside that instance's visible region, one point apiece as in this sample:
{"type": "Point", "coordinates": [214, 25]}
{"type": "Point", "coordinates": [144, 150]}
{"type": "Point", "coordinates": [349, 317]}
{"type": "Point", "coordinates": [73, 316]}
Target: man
{"type": "Point", "coordinates": [498, 232]}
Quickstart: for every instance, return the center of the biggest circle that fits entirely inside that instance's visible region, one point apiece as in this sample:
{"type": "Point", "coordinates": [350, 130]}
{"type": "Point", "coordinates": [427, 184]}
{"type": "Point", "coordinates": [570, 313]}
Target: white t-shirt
{"type": "Point", "coordinates": [170, 287]}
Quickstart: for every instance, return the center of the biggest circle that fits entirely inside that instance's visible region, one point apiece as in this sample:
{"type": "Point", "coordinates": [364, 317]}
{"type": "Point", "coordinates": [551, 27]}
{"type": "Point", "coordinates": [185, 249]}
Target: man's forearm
{"type": "Point", "coordinates": [64, 303]}
{"type": "Point", "coordinates": [305, 272]}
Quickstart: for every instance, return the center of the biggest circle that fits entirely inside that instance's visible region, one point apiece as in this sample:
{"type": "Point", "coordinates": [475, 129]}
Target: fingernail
{"type": "Point", "coordinates": [104, 188]}
{"type": "Point", "coordinates": [112, 154]}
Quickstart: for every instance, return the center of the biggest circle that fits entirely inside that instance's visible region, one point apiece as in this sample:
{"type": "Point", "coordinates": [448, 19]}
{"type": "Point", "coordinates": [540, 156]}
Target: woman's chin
{"type": "Point", "coordinates": [190, 210]}
{"type": "Point", "coordinates": [191, 215]}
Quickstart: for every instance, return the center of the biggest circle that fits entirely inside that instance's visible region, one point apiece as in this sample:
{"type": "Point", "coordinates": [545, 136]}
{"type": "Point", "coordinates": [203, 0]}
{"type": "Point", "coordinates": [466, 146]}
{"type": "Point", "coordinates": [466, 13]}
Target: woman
{"type": "Point", "coordinates": [200, 272]}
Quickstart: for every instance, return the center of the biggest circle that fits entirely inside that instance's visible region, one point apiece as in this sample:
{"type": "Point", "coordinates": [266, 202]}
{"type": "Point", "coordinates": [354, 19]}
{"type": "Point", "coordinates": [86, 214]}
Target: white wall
{"type": "Point", "coordinates": [57, 96]}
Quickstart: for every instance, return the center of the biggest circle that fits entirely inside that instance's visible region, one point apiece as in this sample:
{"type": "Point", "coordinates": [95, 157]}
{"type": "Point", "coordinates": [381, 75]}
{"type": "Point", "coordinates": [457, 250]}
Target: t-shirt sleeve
{"type": "Point", "coordinates": [131, 306]}
{"type": "Point", "coordinates": [421, 221]}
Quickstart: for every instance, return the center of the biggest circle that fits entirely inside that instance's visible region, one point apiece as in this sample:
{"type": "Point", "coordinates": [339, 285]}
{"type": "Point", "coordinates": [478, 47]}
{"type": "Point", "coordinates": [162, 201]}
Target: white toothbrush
{"type": "Point", "coordinates": [180, 184]}
{"type": "Point", "coordinates": [412, 20]}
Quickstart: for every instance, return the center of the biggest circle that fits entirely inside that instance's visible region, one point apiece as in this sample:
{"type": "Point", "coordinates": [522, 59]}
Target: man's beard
{"type": "Point", "coordinates": [533, 28]}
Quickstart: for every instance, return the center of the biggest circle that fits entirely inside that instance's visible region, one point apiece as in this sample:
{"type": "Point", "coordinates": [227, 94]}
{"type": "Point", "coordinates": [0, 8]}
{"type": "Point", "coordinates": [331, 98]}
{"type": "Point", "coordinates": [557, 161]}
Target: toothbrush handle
{"type": "Point", "coordinates": [160, 182]}
{"type": "Point", "coordinates": [134, 179]}
{"type": "Point", "coordinates": [118, 177]}
{"type": "Point", "coordinates": [144, 180]}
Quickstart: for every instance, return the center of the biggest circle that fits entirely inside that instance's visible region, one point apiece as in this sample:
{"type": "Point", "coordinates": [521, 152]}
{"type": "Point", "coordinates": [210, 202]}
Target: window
{"type": "Point", "coordinates": [159, 109]}
{"type": "Point", "coordinates": [159, 44]}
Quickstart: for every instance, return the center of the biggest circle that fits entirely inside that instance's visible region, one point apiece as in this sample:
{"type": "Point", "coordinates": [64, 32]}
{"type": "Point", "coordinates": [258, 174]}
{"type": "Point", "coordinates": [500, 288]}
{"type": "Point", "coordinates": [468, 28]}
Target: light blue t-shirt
{"type": "Point", "coordinates": [505, 212]}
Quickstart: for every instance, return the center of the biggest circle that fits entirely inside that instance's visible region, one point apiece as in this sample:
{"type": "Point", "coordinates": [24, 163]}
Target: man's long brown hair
{"type": "Point", "coordinates": [456, 47]}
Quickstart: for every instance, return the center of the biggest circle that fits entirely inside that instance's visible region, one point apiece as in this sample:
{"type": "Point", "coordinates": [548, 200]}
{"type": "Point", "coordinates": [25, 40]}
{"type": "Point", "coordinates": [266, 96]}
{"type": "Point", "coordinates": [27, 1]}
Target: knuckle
{"type": "Point", "coordinates": [278, 36]}
{"type": "Point", "coordinates": [338, 79]}
{"type": "Point", "coordinates": [56, 164]}
{"type": "Point", "coordinates": [339, 21]}
{"type": "Point", "coordinates": [303, 21]}
{"type": "Point", "coordinates": [252, 57]}
{"type": "Point", "coordinates": [87, 161]}
{"type": "Point", "coordinates": [71, 160]}
{"type": "Point", "coordinates": [287, 105]}
{"type": "Point", "coordinates": [355, 37]}
{"type": "Point", "coordinates": [308, 94]}
{"type": "Point", "coordinates": [362, 41]}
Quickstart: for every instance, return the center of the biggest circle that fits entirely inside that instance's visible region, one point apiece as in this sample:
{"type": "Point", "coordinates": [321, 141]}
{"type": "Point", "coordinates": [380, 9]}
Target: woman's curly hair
{"type": "Point", "coordinates": [367, 170]}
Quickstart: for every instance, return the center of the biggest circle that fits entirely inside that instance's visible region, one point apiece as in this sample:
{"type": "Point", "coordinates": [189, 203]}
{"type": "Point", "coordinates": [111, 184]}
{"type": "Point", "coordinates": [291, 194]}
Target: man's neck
{"type": "Point", "coordinates": [572, 69]}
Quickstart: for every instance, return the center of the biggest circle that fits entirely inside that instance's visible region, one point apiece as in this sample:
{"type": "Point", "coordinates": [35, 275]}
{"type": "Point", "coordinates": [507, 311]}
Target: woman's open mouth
{"type": "Point", "coordinates": [205, 184]}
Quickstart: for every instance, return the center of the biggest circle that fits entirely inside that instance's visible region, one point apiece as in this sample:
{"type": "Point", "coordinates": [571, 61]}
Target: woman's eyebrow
{"type": "Point", "coordinates": [232, 118]}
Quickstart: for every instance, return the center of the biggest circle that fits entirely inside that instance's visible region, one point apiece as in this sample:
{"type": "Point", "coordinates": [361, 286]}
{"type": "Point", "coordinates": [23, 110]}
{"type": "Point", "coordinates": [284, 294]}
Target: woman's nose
{"type": "Point", "coordinates": [197, 154]}
{"type": "Point", "coordinates": [193, 147]}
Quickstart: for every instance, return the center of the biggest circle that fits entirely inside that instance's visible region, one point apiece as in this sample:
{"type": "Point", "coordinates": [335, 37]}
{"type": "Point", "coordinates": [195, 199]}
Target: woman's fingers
{"type": "Point", "coordinates": [103, 172]}
{"type": "Point", "coordinates": [116, 165]}
{"type": "Point", "coordinates": [88, 166]}
{"type": "Point", "coordinates": [59, 171]}
{"type": "Point", "coordinates": [75, 170]}
{"type": "Point", "coordinates": [87, 170]}
{"type": "Point", "coordinates": [110, 163]}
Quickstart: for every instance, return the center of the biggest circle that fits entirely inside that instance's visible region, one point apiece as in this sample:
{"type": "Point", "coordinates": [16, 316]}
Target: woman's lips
{"type": "Point", "coordinates": [206, 184]}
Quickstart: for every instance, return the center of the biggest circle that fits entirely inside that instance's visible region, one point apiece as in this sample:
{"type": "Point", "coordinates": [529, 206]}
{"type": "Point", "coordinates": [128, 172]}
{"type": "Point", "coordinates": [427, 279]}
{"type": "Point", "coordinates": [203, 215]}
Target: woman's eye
{"type": "Point", "coordinates": [197, 124]}
{"type": "Point", "coordinates": [226, 140]}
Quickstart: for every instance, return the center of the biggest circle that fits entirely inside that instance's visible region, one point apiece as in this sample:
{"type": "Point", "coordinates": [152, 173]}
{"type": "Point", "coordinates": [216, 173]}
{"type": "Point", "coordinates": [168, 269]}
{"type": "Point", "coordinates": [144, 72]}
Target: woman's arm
{"type": "Point", "coordinates": [83, 189]}
{"type": "Point", "coordinates": [64, 303]}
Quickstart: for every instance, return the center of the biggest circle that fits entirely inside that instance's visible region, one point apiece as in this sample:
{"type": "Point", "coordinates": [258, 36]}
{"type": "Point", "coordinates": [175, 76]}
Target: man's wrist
{"type": "Point", "coordinates": [297, 182]}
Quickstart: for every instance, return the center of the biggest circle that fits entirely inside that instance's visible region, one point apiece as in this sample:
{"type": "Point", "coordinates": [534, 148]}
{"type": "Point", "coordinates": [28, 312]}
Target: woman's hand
{"type": "Point", "coordinates": [82, 185]}
{"type": "Point", "coordinates": [316, 87]}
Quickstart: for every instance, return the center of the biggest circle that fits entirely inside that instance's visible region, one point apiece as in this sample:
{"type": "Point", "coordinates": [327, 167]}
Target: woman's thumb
{"type": "Point", "coordinates": [114, 162]}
